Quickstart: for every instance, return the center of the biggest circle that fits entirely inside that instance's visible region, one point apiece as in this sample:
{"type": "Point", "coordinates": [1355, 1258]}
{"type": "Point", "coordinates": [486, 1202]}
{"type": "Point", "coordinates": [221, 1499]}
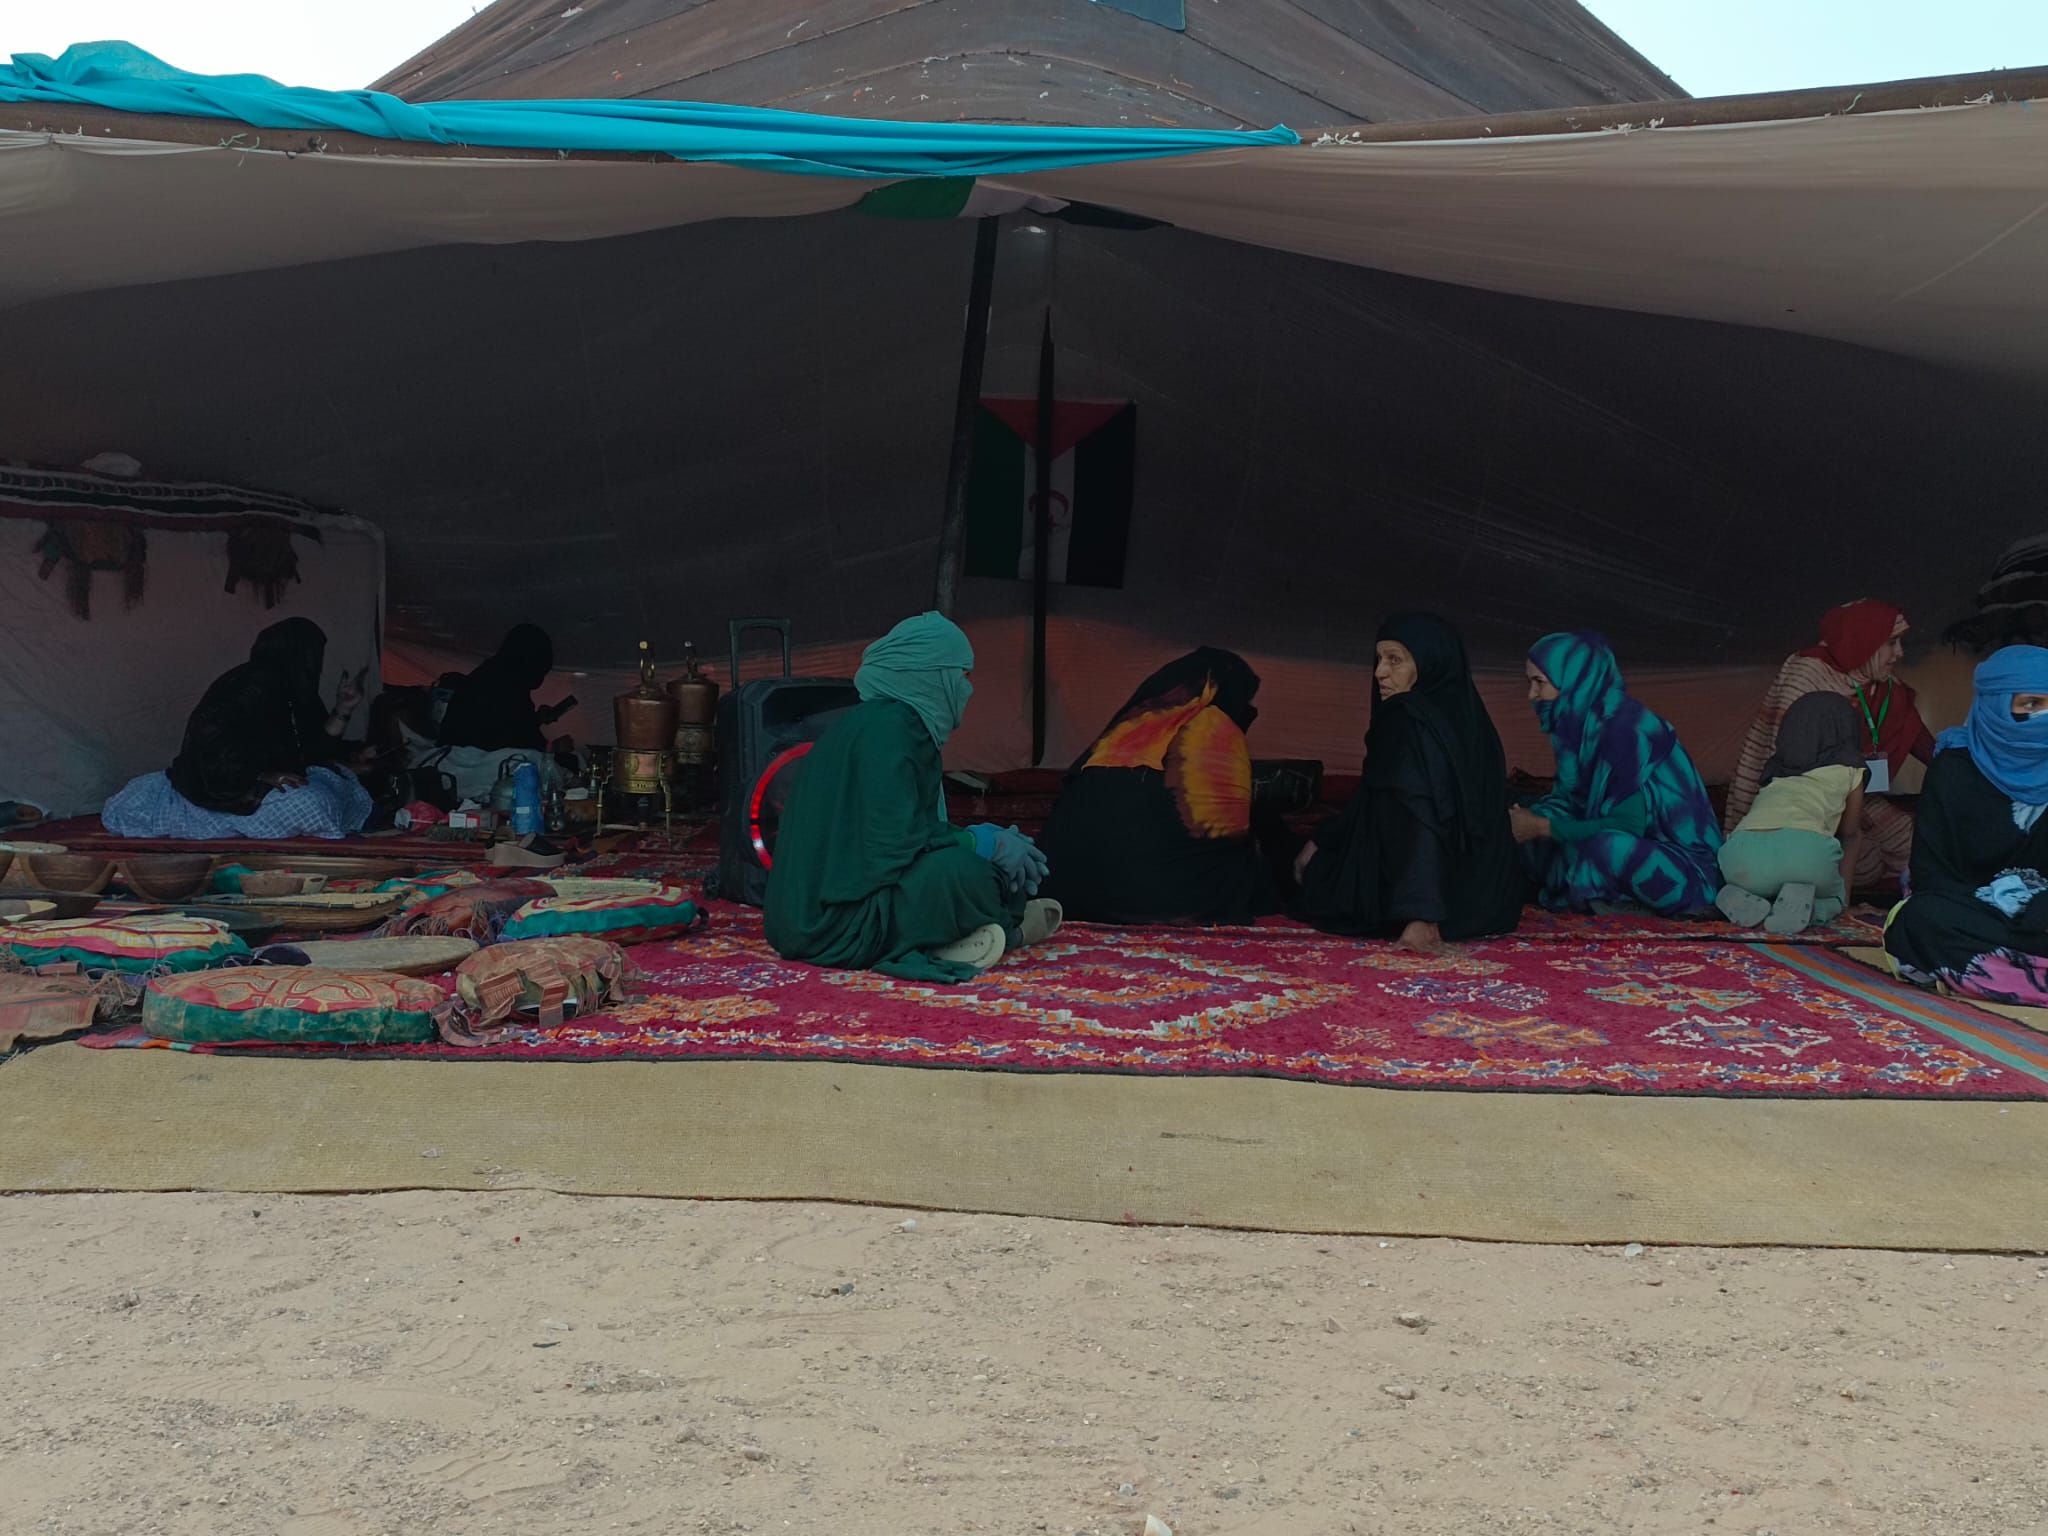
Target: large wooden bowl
{"type": "Point", "coordinates": [84, 873]}
{"type": "Point", "coordinates": [166, 876]}
{"type": "Point", "coordinates": [14, 859]}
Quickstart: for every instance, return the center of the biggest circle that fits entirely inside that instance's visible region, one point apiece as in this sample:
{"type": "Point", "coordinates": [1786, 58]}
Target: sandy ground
{"type": "Point", "coordinates": [451, 1363]}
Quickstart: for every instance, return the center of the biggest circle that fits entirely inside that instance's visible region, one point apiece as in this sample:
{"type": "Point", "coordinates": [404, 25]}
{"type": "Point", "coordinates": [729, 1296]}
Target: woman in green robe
{"type": "Point", "coordinates": [868, 873]}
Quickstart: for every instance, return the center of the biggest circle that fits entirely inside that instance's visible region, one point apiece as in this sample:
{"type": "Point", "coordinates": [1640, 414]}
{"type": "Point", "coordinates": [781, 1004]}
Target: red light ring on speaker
{"type": "Point", "coordinates": [775, 765]}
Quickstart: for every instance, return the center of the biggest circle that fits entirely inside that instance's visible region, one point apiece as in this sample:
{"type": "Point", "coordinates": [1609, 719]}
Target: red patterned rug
{"type": "Point", "coordinates": [1518, 1015]}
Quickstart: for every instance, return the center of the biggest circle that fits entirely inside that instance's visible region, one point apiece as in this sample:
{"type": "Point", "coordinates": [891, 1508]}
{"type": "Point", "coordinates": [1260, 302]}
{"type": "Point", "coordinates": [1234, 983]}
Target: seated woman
{"type": "Point", "coordinates": [1629, 821]}
{"type": "Point", "coordinates": [1860, 644]}
{"type": "Point", "coordinates": [1788, 863]}
{"type": "Point", "coordinates": [258, 754]}
{"type": "Point", "coordinates": [1154, 821]}
{"type": "Point", "coordinates": [1977, 921]}
{"type": "Point", "coordinates": [1423, 851]}
{"type": "Point", "coordinates": [868, 873]}
{"type": "Point", "coordinates": [492, 708]}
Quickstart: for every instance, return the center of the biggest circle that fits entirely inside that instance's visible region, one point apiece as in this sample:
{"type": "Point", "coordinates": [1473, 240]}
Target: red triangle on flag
{"type": "Point", "coordinates": [1072, 420]}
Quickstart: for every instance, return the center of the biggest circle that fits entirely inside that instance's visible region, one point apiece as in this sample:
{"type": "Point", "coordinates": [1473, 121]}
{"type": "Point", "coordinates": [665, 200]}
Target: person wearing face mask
{"type": "Point", "coordinates": [1861, 643]}
{"type": "Point", "coordinates": [1629, 822]}
{"type": "Point", "coordinates": [868, 874]}
{"type": "Point", "coordinates": [1977, 920]}
{"type": "Point", "coordinates": [1154, 821]}
{"type": "Point", "coordinates": [1423, 851]}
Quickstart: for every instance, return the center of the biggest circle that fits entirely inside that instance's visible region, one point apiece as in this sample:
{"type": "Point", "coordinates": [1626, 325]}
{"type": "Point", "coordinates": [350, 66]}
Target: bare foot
{"type": "Point", "coordinates": [1423, 938]}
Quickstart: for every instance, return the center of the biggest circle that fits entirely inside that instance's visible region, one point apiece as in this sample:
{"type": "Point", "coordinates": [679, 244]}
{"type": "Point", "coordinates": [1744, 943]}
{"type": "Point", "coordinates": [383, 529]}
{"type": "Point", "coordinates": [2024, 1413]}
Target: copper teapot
{"type": "Point", "coordinates": [696, 696]}
{"type": "Point", "coordinates": [645, 719]}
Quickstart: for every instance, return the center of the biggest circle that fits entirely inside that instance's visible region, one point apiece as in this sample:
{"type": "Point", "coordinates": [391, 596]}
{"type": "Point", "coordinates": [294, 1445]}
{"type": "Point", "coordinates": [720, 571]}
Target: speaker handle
{"type": "Point", "coordinates": [739, 627]}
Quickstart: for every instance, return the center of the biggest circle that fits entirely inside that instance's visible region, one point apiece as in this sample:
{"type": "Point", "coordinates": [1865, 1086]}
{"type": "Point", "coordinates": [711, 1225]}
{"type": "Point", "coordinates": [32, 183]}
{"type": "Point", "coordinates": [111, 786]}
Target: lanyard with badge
{"type": "Point", "coordinates": [1879, 765]}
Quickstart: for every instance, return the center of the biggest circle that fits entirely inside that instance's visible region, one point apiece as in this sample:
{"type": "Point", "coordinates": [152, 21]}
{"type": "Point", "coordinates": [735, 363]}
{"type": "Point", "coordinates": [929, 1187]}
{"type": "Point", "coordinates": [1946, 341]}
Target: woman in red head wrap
{"type": "Point", "coordinates": [1859, 647]}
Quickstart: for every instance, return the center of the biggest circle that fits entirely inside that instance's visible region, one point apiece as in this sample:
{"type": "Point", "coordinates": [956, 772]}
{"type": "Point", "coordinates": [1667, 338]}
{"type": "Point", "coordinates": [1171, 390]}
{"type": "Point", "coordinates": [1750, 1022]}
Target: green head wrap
{"type": "Point", "coordinates": [922, 662]}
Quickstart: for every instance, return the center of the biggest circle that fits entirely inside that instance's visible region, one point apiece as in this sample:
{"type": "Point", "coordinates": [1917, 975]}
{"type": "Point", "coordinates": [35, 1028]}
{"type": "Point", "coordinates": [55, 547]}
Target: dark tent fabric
{"type": "Point", "coordinates": [642, 437]}
{"type": "Point", "coordinates": [1246, 63]}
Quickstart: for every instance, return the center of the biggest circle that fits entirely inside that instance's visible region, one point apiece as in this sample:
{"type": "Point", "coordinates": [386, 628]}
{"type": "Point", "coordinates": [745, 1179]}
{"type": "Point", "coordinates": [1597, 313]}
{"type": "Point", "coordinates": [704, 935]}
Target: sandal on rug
{"type": "Point", "coordinates": [529, 852]}
{"type": "Point", "coordinates": [1791, 912]}
{"type": "Point", "coordinates": [1745, 909]}
{"type": "Point", "coordinates": [980, 950]}
{"type": "Point", "coordinates": [1042, 919]}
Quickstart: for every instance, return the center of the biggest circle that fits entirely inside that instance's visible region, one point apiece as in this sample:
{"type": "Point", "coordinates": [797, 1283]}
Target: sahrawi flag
{"type": "Point", "coordinates": [1094, 459]}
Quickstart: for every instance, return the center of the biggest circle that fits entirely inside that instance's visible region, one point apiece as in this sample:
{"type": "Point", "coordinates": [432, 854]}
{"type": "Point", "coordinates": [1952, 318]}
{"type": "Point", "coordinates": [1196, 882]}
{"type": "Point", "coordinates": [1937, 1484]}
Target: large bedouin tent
{"type": "Point", "coordinates": [595, 331]}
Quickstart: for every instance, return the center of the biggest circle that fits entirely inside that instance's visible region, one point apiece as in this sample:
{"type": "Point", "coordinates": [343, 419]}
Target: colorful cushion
{"type": "Point", "coordinates": [476, 911]}
{"type": "Point", "coordinates": [633, 914]}
{"type": "Point", "coordinates": [139, 945]}
{"type": "Point", "coordinates": [292, 1004]}
{"type": "Point", "coordinates": [549, 977]}
{"type": "Point", "coordinates": [417, 890]}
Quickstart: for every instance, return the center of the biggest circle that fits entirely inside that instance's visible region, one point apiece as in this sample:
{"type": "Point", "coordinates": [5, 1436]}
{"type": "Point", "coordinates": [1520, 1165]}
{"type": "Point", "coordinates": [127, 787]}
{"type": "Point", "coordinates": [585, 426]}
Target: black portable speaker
{"type": "Point", "coordinates": [765, 729]}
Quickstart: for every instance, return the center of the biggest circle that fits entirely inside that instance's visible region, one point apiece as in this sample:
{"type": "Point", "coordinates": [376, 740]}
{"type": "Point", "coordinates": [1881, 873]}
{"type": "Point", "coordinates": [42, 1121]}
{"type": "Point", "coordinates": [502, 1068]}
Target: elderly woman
{"type": "Point", "coordinates": [1860, 645]}
{"type": "Point", "coordinates": [1977, 921]}
{"type": "Point", "coordinates": [258, 754]}
{"type": "Point", "coordinates": [868, 873]}
{"type": "Point", "coordinates": [1154, 821]}
{"type": "Point", "coordinates": [1629, 822]}
{"type": "Point", "coordinates": [1423, 853]}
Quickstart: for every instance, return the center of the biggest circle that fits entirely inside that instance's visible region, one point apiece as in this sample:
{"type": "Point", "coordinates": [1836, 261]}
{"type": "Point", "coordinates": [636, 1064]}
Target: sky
{"type": "Point", "coordinates": [1711, 47]}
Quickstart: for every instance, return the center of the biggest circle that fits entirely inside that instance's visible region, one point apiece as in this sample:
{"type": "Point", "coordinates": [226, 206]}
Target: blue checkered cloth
{"type": "Point", "coordinates": [329, 804]}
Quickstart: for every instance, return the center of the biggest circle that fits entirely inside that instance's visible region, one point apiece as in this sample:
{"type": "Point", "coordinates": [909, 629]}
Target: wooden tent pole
{"type": "Point", "coordinates": [966, 406]}
{"type": "Point", "coordinates": [1041, 541]}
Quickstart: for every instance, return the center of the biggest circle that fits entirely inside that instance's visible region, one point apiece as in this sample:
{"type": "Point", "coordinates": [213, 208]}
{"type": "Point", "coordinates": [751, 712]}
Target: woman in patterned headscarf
{"type": "Point", "coordinates": [868, 873]}
{"type": "Point", "coordinates": [1629, 821]}
{"type": "Point", "coordinates": [1860, 644]}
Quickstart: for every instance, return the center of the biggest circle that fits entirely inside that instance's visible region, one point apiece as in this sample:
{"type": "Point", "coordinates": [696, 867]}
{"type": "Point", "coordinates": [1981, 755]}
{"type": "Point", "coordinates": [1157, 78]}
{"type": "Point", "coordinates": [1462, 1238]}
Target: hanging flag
{"type": "Point", "coordinates": [1094, 464]}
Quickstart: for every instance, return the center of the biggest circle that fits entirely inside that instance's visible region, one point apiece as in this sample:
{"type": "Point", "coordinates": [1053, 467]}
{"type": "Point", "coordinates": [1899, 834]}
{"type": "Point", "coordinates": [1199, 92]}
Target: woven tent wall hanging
{"type": "Point", "coordinates": [263, 555]}
{"type": "Point", "coordinates": [85, 545]}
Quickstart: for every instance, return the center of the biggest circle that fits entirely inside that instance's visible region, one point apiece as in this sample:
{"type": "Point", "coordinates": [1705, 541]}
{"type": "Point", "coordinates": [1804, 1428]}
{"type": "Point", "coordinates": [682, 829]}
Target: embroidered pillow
{"type": "Point", "coordinates": [476, 912]}
{"type": "Point", "coordinates": [292, 1004]}
{"type": "Point", "coordinates": [636, 913]}
{"type": "Point", "coordinates": [140, 945]}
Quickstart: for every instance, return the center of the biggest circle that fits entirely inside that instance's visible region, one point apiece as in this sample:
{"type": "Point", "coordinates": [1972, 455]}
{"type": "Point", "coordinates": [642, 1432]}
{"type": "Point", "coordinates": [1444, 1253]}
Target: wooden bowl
{"type": "Point", "coordinates": [14, 860]}
{"type": "Point", "coordinates": [280, 882]}
{"type": "Point", "coordinates": [84, 874]}
{"type": "Point", "coordinates": [166, 876]}
{"type": "Point", "coordinates": [66, 904]}
{"type": "Point", "coordinates": [13, 910]}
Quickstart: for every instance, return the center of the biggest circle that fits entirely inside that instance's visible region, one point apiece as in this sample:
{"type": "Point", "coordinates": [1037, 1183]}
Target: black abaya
{"type": "Point", "coordinates": [493, 707]}
{"type": "Point", "coordinates": [1426, 838]}
{"type": "Point", "coordinates": [256, 721]}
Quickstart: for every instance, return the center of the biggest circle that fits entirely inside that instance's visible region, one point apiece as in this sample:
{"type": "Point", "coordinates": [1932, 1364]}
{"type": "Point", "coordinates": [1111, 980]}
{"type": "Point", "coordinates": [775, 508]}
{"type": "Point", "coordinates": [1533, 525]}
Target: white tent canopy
{"type": "Point", "coordinates": [1917, 232]}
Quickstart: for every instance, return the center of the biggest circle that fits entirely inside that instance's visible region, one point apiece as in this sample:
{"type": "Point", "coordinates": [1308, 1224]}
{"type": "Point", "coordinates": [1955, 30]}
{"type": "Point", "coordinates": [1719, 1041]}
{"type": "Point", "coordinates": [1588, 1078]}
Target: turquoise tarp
{"type": "Point", "coordinates": [121, 77]}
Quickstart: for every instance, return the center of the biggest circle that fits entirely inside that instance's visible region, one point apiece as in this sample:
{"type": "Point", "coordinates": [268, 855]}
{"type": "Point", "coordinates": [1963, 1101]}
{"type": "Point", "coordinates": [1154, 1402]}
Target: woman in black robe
{"type": "Point", "coordinates": [261, 726]}
{"type": "Point", "coordinates": [1423, 852]}
{"type": "Point", "coordinates": [1153, 823]}
{"type": "Point", "coordinates": [493, 707]}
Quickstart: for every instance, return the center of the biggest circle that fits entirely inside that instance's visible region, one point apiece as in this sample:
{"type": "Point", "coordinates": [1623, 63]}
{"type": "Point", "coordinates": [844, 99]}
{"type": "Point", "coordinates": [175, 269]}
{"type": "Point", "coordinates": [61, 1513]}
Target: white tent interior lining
{"type": "Point", "coordinates": [88, 704]}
